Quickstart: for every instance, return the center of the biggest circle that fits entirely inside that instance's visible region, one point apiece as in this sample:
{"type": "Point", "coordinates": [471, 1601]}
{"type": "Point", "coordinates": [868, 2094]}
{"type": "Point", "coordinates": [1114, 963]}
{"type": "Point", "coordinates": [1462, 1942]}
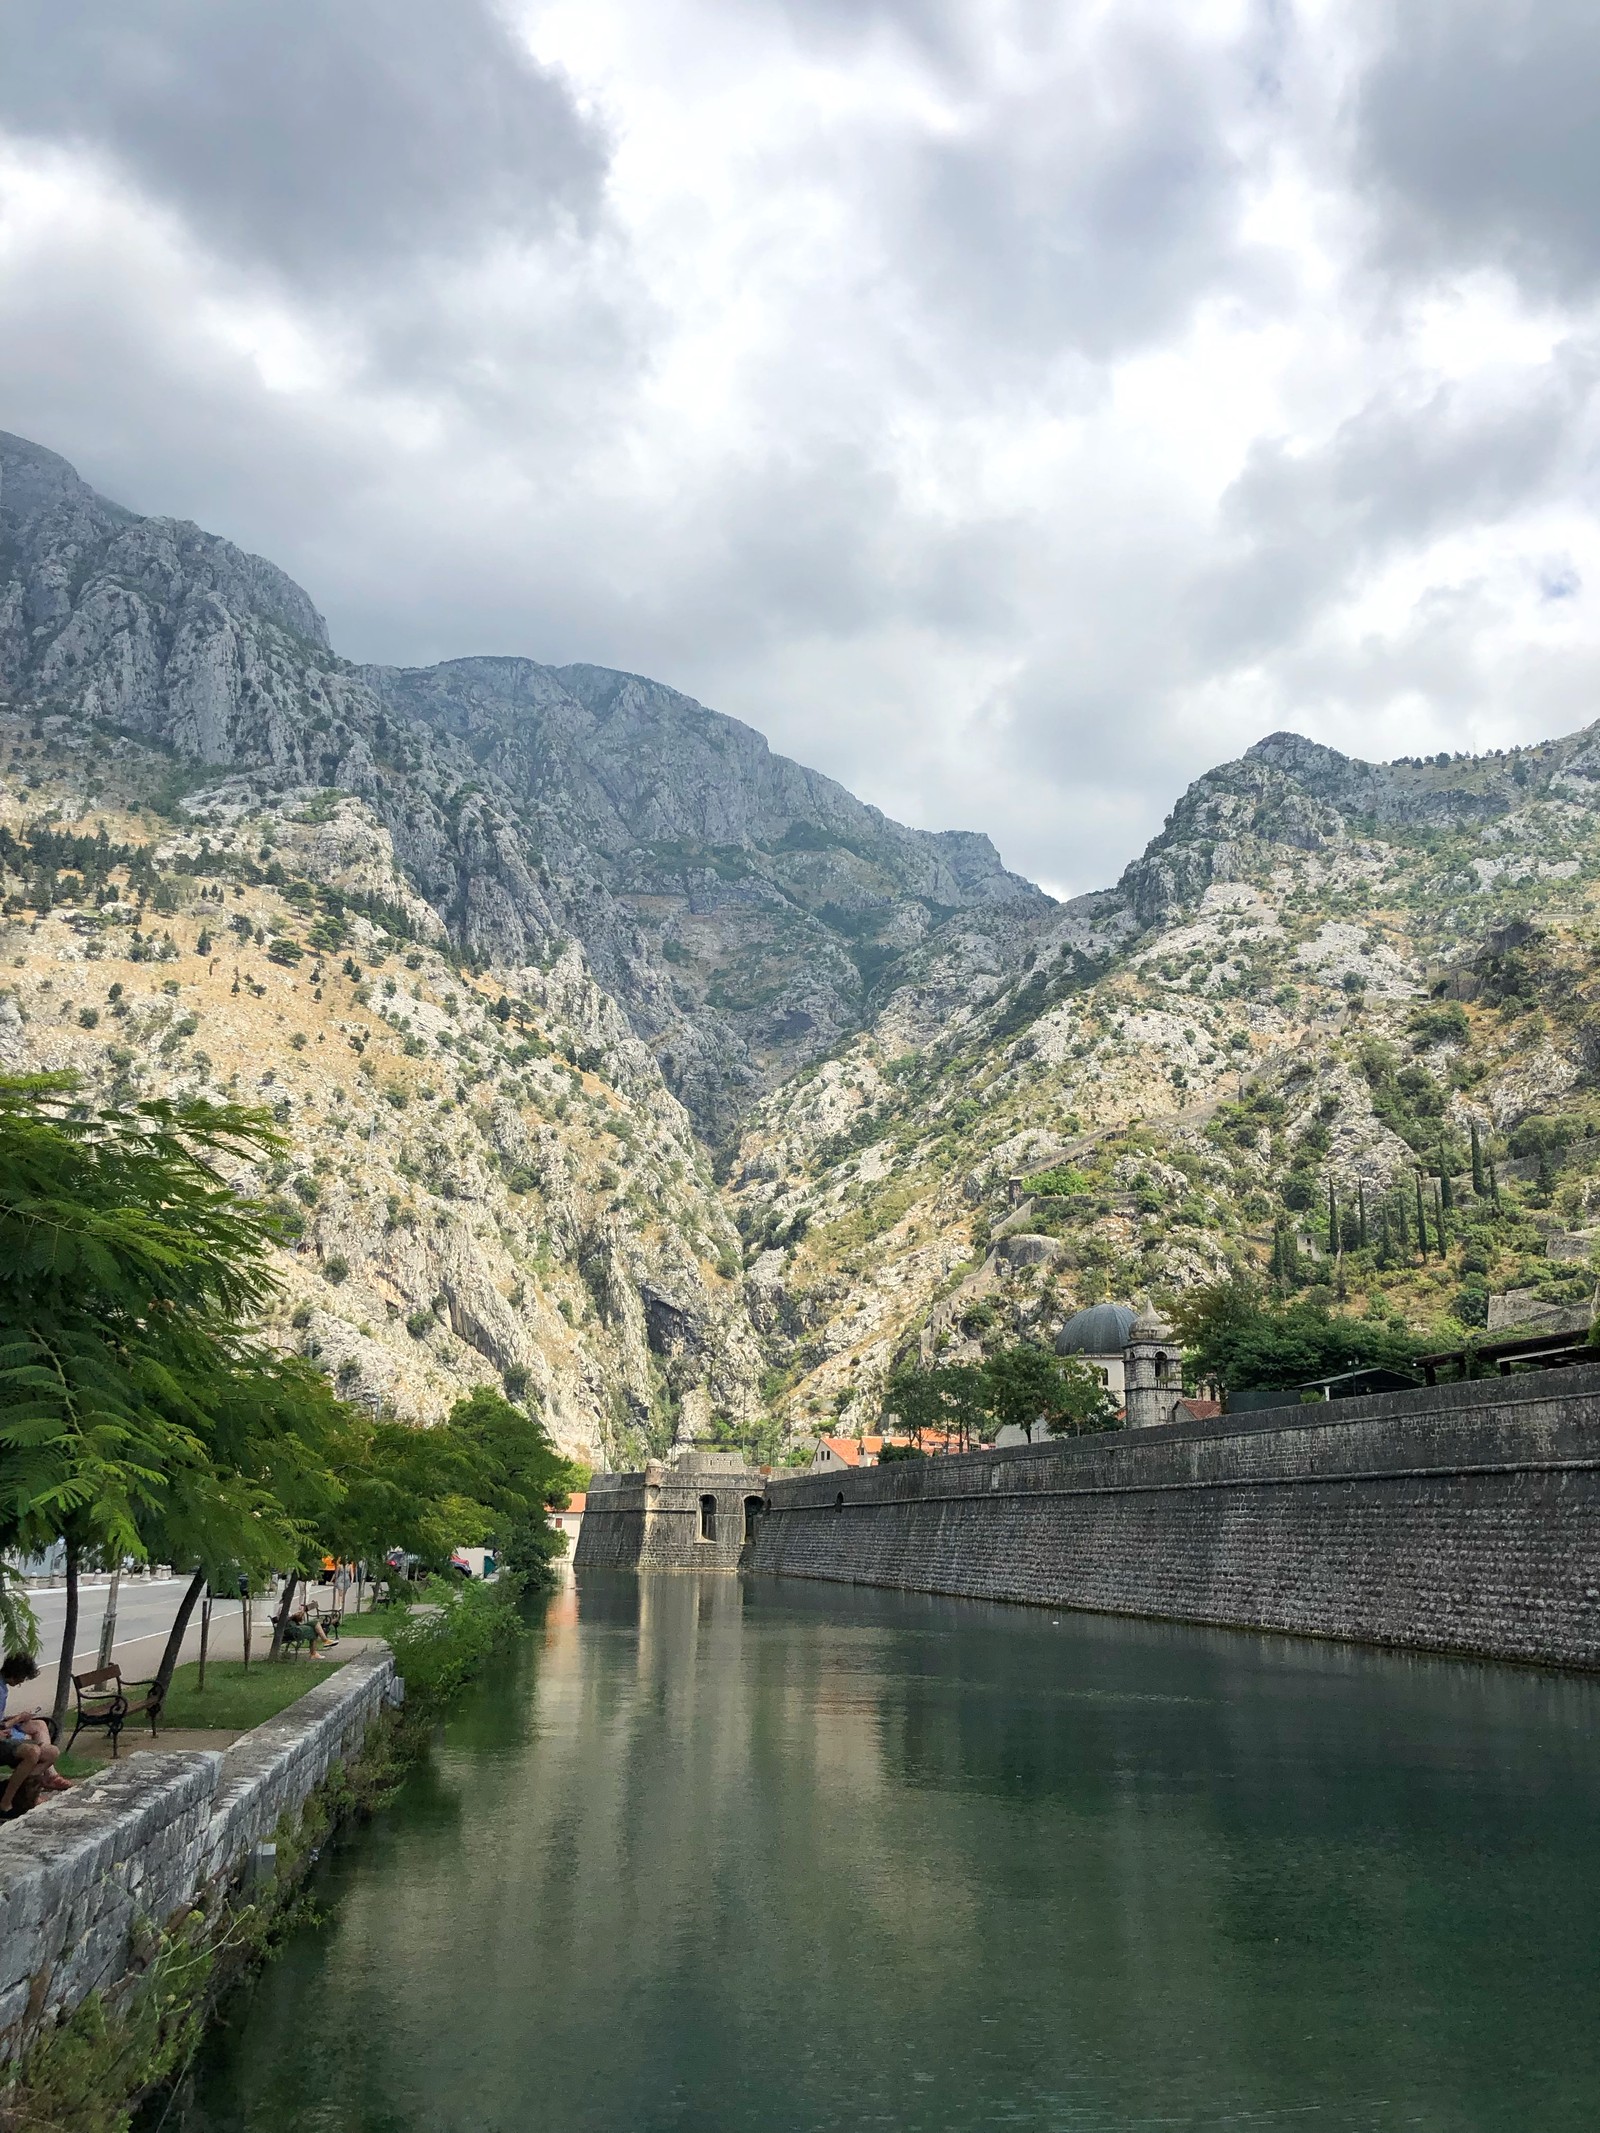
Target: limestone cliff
{"type": "Point", "coordinates": [517, 953]}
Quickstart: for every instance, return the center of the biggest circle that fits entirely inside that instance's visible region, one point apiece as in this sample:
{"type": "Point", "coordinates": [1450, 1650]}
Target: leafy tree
{"type": "Point", "coordinates": [1024, 1386]}
{"type": "Point", "coordinates": [276, 1437]}
{"type": "Point", "coordinates": [963, 1406]}
{"type": "Point", "coordinates": [1236, 1337]}
{"type": "Point", "coordinates": [911, 1399]}
{"type": "Point", "coordinates": [483, 1478]}
{"type": "Point", "coordinates": [519, 1476]}
{"type": "Point", "coordinates": [1021, 1386]}
{"type": "Point", "coordinates": [127, 1264]}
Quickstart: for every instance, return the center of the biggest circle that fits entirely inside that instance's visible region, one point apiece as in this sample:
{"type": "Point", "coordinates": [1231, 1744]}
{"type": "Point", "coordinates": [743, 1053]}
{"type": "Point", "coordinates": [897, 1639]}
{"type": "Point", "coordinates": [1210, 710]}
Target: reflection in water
{"type": "Point", "coordinates": [762, 1857]}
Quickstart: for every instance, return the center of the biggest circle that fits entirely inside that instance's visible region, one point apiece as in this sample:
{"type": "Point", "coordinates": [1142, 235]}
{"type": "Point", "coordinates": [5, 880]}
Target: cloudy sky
{"type": "Point", "coordinates": [1011, 407]}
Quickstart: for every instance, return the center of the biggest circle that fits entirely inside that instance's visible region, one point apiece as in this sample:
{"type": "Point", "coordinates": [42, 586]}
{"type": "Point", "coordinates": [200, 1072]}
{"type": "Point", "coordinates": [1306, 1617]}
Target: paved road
{"type": "Point", "coordinates": [145, 1608]}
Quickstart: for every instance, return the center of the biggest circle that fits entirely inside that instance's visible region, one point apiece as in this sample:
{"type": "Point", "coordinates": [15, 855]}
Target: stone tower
{"type": "Point", "coordinates": [1152, 1363]}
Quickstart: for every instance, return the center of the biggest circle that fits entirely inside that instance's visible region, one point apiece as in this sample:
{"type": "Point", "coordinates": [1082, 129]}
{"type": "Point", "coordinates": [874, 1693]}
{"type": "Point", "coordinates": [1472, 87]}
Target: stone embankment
{"type": "Point", "coordinates": [89, 1880]}
{"type": "Point", "coordinates": [1464, 1518]}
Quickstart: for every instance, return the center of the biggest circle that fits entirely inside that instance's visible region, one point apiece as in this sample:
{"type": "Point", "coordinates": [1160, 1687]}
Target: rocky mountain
{"type": "Point", "coordinates": [525, 957]}
{"type": "Point", "coordinates": [739, 908]}
{"type": "Point", "coordinates": [1321, 972]}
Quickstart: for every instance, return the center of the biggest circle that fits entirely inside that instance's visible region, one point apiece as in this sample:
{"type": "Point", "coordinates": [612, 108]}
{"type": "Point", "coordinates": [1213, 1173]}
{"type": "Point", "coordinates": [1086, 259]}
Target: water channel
{"type": "Point", "coordinates": [770, 1857]}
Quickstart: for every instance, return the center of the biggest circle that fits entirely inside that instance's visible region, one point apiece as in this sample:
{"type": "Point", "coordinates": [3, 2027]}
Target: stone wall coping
{"type": "Point", "coordinates": [145, 1838]}
{"type": "Point", "coordinates": [1339, 1425]}
{"type": "Point", "coordinates": [75, 1836]}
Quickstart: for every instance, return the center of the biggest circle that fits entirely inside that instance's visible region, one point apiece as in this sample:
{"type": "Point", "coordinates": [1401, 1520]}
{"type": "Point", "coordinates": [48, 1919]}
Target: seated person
{"type": "Point", "coordinates": [25, 1743]}
{"type": "Point", "coordinates": [304, 1630]}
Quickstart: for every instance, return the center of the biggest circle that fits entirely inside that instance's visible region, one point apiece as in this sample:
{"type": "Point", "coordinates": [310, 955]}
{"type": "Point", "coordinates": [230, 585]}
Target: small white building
{"type": "Point", "coordinates": [834, 1454]}
{"type": "Point", "coordinates": [570, 1521]}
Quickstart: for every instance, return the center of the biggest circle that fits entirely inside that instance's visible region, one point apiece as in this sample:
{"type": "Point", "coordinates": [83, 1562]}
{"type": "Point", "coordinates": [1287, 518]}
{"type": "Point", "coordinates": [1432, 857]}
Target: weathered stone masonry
{"type": "Point", "coordinates": [1463, 1519]}
{"type": "Point", "coordinates": [658, 1519]}
{"type": "Point", "coordinates": [88, 1877]}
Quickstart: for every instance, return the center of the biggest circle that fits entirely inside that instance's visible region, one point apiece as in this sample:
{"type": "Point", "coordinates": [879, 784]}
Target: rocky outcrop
{"type": "Point", "coordinates": [740, 908]}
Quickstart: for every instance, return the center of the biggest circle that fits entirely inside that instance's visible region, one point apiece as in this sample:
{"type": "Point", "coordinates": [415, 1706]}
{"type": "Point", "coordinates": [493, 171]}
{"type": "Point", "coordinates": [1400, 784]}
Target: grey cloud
{"type": "Point", "coordinates": [1298, 528]}
{"type": "Point", "coordinates": [1479, 131]}
{"type": "Point", "coordinates": [1090, 211]}
{"type": "Point", "coordinates": [323, 139]}
{"type": "Point", "coordinates": [943, 31]}
{"type": "Point", "coordinates": [794, 564]}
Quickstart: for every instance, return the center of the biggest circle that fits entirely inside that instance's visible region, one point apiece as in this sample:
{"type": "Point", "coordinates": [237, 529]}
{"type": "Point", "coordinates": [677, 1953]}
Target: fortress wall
{"type": "Point", "coordinates": [652, 1520]}
{"type": "Point", "coordinates": [1463, 1518]}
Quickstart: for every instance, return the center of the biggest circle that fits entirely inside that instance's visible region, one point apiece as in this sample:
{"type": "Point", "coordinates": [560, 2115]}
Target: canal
{"type": "Point", "coordinates": [770, 1857]}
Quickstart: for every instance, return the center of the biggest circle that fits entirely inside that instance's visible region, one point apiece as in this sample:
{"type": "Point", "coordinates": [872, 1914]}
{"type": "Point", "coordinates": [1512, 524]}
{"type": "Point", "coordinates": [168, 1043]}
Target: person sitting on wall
{"type": "Point", "coordinates": [25, 1743]}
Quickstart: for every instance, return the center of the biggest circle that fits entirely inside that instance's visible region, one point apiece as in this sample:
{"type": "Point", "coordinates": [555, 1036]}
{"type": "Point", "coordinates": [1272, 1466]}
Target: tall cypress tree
{"type": "Point", "coordinates": [1494, 1185]}
{"type": "Point", "coordinates": [1422, 1216]}
{"type": "Point", "coordinates": [1402, 1221]}
{"type": "Point", "coordinates": [1361, 1214]}
{"type": "Point", "coordinates": [1445, 1199]}
{"type": "Point", "coordinates": [1478, 1186]}
{"type": "Point", "coordinates": [1333, 1218]}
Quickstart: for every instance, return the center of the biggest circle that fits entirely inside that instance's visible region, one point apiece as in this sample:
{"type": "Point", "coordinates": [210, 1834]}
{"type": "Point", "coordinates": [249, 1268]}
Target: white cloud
{"type": "Point", "coordinates": [1010, 409]}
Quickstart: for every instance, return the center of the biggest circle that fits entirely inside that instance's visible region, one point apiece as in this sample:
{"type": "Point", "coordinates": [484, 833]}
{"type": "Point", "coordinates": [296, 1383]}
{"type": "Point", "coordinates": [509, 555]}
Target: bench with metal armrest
{"type": "Point", "coordinates": [107, 1701]}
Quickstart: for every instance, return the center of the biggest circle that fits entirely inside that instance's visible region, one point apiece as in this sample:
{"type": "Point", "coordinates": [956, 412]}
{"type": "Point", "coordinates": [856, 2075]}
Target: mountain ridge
{"type": "Point", "coordinates": [740, 922]}
{"type": "Point", "coordinates": [543, 920]}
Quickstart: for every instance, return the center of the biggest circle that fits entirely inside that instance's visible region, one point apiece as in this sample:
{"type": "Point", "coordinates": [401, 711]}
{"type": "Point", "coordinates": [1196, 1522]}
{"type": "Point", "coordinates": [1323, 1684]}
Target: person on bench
{"type": "Point", "coordinates": [25, 1743]}
{"type": "Point", "coordinates": [308, 1630]}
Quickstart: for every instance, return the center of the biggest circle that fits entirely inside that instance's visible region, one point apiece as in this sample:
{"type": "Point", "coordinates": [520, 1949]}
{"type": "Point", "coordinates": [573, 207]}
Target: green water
{"type": "Point", "coordinates": [771, 1857]}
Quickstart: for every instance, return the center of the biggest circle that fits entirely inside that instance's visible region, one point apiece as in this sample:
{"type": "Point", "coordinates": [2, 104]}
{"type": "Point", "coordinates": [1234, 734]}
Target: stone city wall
{"type": "Point", "coordinates": [655, 1520]}
{"type": "Point", "coordinates": [1462, 1518]}
{"type": "Point", "coordinates": [89, 1879]}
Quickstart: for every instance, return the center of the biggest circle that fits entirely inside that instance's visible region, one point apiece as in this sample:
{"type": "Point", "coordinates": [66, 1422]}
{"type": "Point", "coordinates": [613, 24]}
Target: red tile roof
{"type": "Point", "coordinates": [850, 1449]}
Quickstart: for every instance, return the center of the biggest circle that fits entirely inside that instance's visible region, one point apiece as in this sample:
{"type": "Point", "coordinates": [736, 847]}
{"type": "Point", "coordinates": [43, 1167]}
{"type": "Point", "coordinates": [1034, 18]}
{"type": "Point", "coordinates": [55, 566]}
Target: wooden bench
{"type": "Point", "coordinates": [104, 1700]}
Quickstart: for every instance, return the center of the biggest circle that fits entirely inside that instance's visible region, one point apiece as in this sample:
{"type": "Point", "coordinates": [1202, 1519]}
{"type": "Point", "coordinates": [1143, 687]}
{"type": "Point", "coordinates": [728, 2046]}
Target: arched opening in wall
{"type": "Point", "coordinates": [753, 1508]}
{"type": "Point", "coordinates": [708, 1518]}
{"type": "Point", "coordinates": [838, 1501]}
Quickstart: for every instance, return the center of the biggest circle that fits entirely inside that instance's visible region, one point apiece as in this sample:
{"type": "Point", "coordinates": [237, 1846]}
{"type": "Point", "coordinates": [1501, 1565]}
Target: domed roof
{"type": "Point", "coordinates": [1150, 1326]}
{"type": "Point", "coordinates": [1101, 1330]}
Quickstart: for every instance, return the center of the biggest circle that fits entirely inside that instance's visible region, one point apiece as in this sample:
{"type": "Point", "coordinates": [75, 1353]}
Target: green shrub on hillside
{"type": "Point", "coordinates": [1064, 1179]}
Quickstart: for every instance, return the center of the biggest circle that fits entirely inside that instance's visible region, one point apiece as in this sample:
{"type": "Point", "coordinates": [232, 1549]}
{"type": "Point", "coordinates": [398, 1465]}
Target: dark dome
{"type": "Point", "coordinates": [1101, 1330]}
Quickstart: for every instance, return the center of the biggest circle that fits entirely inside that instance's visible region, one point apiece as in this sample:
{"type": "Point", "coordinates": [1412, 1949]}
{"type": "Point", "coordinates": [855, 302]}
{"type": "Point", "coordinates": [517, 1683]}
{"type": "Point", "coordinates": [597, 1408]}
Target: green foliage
{"type": "Point", "coordinates": [442, 1644]}
{"type": "Point", "coordinates": [1024, 1386]}
{"type": "Point", "coordinates": [1021, 1386]}
{"type": "Point", "coordinates": [1446, 1024]}
{"type": "Point", "coordinates": [81, 2077]}
{"type": "Point", "coordinates": [126, 1265]}
{"type": "Point", "coordinates": [1064, 1179]}
{"type": "Point", "coordinates": [1235, 1336]}
{"type": "Point", "coordinates": [482, 1478]}
{"type": "Point", "coordinates": [517, 1475]}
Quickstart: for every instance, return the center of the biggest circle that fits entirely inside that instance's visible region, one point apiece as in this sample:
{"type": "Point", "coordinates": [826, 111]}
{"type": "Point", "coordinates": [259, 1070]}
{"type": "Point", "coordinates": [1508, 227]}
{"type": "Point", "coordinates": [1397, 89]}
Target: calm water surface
{"type": "Point", "coordinates": [772, 1857]}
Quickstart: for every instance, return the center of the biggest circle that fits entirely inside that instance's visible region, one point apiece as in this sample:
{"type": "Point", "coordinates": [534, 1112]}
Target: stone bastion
{"type": "Point", "coordinates": [697, 1512]}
